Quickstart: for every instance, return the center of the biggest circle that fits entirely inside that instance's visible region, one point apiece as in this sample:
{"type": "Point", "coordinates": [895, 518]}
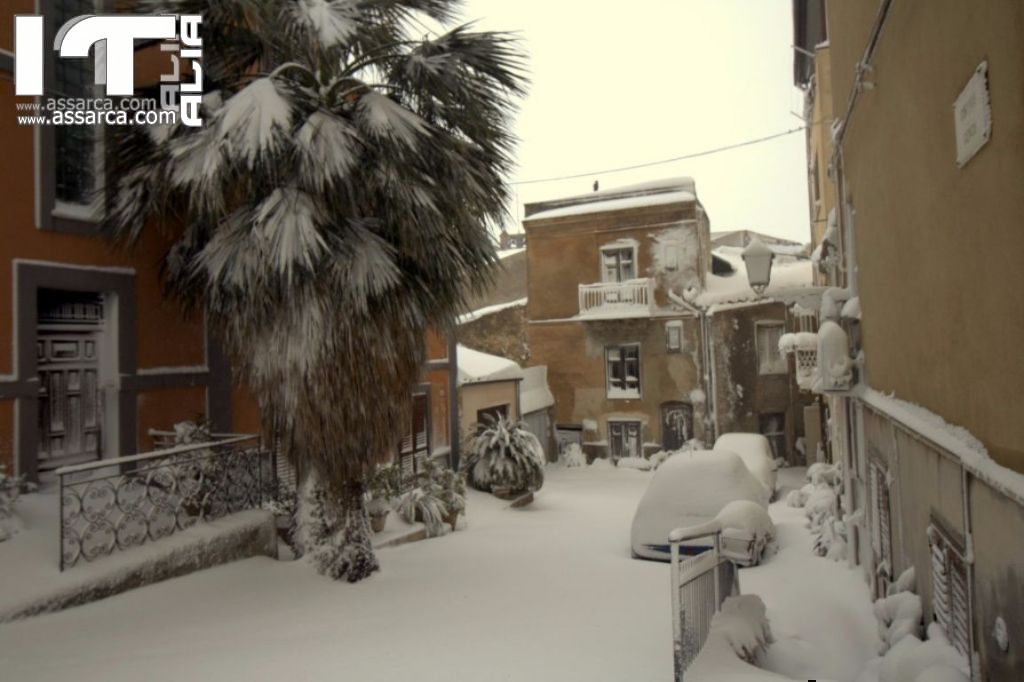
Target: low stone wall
{"type": "Point", "coordinates": [238, 536]}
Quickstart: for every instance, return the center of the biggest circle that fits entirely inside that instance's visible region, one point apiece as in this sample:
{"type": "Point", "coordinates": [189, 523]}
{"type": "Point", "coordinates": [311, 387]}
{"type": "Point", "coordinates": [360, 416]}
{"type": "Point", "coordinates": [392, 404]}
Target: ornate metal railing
{"type": "Point", "coordinates": [632, 297]}
{"type": "Point", "coordinates": [115, 504]}
{"type": "Point", "coordinates": [700, 584]}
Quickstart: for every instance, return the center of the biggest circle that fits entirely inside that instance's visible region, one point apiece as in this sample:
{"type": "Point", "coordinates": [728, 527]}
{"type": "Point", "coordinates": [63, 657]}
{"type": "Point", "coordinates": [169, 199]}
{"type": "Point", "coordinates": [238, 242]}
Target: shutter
{"type": "Point", "coordinates": [950, 590]}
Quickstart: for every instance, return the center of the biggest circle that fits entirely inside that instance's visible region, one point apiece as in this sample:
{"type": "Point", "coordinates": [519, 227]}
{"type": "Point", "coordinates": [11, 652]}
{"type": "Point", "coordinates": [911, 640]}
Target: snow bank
{"type": "Point", "coordinates": [913, 660]}
{"type": "Point", "coordinates": [633, 463]}
{"type": "Point", "coordinates": [739, 635]}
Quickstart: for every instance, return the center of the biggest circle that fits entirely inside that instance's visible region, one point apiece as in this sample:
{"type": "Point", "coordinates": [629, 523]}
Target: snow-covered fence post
{"type": "Point", "coordinates": [700, 577]}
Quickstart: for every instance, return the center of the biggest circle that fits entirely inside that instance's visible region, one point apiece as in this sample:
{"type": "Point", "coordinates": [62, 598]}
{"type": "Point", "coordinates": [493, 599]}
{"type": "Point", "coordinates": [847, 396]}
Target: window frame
{"type": "Point", "coordinates": [782, 366]}
{"type": "Point", "coordinates": [624, 393]}
{"type": "Point", "coordinates": [53, 214]}
{"type": "Point", "coordinates": [674, 326]}
{"type": "Point", "coordinates": [618, 247]}
{"type": "Point", "coordinates": [624, 425]}
{"type": "Point", "coordinates": [950, 575]}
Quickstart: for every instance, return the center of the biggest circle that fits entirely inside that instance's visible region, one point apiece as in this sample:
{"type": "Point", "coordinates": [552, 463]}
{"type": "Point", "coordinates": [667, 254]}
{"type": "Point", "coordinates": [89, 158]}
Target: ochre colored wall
{"type": "Point", "coordinates": [574, 355]}
{"type": "Point", "coordinates": [565, 252]}
{"type": "Point", "coordinates": [473, 397]}
{"type": "Point", "coordinates": [938, 248]}
{"type": "Point", "coordinates": [162, 409]}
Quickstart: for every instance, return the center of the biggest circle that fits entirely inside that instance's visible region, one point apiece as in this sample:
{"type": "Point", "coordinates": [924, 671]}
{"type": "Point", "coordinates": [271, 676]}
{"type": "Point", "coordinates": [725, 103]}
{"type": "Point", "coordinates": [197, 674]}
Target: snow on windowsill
{"type": "Point", "coordinates": [73, 211]}
{"type": "Point", "coordinates": [622, 394]}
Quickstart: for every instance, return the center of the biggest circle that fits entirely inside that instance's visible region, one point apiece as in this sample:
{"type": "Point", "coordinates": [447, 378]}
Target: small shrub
{"type": "Point", "coordinates": [423, 505]}
{"type": "Point", "coordinates": [10, 490]}
{"type": "Point", "coordinates": [572, 456]}
{"type": "Point", "coordinates": [505, 453]}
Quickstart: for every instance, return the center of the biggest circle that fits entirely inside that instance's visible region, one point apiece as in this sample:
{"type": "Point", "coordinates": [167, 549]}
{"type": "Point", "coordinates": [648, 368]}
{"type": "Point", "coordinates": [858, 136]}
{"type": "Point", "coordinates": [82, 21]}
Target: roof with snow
{"type": "Point", "coordinates": [534, 393]}
{"type": "Point", "coordinates": [655, 193]}
{"type": "Point", "coordinates": [791, 281]}
{"type": "Point", "coordinates": [477, 367]}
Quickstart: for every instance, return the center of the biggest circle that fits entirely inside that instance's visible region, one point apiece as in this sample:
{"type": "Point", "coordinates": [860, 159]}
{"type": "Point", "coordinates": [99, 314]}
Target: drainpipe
{"type": "Point", "coordinates": [707, 358]}
{"type": "Point", "coordinates": [454, 437]}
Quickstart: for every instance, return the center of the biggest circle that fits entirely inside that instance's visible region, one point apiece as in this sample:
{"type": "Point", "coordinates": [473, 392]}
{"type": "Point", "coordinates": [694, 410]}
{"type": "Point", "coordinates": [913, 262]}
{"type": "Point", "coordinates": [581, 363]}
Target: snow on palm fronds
{"type": "Point", "coordinates": [335, 205]}
{"type": "Point", "coordinates": [505, 453]}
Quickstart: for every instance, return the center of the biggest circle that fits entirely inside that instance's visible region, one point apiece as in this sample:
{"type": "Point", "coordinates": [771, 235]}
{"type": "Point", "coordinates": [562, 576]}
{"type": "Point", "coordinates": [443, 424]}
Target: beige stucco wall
{"type": "Point", "coordinates": [938, 248]}
{"type": "Point", "coordinates": [998, 525]}
{"type": "Point", "coordinates": [473, 397]}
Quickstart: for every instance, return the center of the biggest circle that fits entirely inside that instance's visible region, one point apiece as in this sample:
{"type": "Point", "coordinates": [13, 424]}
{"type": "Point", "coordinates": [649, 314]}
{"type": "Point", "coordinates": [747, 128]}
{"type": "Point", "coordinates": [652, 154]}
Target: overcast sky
{"type": "Point", "coordinates": [623, 83]}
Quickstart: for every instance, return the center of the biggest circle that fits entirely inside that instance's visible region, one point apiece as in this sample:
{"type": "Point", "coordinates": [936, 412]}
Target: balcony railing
{"type": "Point", "coordinates": [632, 298]}
{"type": "Point", "coordinates": [114, 504]}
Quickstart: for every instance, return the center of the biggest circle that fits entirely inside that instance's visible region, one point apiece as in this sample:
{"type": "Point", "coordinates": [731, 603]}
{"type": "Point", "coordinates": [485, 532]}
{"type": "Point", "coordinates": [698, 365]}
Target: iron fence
{"type": "Point", "coordinates": [700, 583]}
{"type": "Point", "coordinates": [115, 504]}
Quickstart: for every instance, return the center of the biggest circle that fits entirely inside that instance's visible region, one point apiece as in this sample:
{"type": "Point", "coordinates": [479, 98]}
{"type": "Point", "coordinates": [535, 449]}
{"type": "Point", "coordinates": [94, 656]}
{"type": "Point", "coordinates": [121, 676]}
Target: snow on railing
{"type": "Point", "coordinates": [114, 504]}
{"type": "Point", "coordinates": [634, 297]}
{"type": "Point", "coordinates": [700, 584]}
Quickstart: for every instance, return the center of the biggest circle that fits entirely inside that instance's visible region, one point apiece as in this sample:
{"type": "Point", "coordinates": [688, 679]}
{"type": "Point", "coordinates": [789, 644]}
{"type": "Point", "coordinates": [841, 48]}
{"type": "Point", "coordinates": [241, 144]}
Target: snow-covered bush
{"type": "Point", "coordinates": [914, 660]}
{"type": "Point", "coordinates": [739, 635]}
{"type": "Point", "coordinates": [638, 463]}
{"type": "Point", "coordinates": [572, 456]}
{"type": "Point", "coordinates": [505, 454]}
{"type": "Point", "coordinates": [385, 485]}
{"type": "Point", "coordinates": [820, 501]}
{"type": "Point", "coordinates": [438, 499]}
{"type": "Point", "coordinates": [10, 489]}
{"type": "Point", "coordinates": [423, 505]}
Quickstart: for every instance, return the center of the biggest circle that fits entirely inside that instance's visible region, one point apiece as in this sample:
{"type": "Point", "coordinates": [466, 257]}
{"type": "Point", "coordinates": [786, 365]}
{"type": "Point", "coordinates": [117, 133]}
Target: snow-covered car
{"type": "Point", "coordinates": [747, 530]}
{"type": "Point", "coordinates": [756, 453]}
{"type": "Point", "coordinates": [691, 488]}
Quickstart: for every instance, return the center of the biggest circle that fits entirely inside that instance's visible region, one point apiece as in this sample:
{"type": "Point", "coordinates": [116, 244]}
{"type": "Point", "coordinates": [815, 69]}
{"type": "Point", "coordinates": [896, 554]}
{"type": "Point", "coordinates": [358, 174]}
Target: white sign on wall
{"type": "Point", "coordinates": [972, 114]}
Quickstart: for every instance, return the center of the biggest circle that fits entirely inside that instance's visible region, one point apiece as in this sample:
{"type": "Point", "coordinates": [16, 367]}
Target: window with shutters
{"type": "Point", "coordinates": [415, 445]}
{"type": "Point", "coordinates": [950, 589]}
{"type": "Point", "coordinates": [769, 359]}
{"type": "Point", "coordinates": [622, 371]}
{"type": "Point", "coordinates": [881, 526]}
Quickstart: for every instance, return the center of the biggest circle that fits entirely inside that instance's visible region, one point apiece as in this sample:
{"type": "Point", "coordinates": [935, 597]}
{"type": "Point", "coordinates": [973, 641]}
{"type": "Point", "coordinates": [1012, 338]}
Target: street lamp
{"type": "Point", "coordinates": [758, 259]}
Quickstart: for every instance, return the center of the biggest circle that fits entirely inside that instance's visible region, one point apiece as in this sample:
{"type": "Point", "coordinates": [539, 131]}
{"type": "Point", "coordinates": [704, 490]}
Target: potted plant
{"type": "Point", "coordinates": [504, 458]}
{"type": "Point", "coordinates": [384, 486]}
{"type": "Point", "coordinates": [450, 487]}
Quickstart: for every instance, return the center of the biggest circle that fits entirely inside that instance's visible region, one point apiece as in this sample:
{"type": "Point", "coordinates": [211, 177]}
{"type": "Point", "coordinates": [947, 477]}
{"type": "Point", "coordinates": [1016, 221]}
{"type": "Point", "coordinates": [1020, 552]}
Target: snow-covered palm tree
{"type": "Point", "coordinates": [332, 208]}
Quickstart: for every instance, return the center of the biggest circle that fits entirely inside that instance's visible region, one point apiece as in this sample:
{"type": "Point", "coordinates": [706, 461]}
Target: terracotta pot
{"type": "Point", "coordinates": [452, 518]}
{"type": "Point", "coordinates": [503, 492]}
{"type": "Point", "coordinates": [377, 521]}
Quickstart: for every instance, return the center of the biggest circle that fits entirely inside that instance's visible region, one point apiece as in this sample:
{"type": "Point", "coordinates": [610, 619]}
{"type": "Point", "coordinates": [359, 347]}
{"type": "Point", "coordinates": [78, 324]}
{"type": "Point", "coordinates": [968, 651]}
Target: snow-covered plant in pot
{"type": "Point", "coordinates": [504, 458]}
{"type": "Point", "coordinates": [385, 485]}
{"type": "Point", "coordinates": [450, 487]}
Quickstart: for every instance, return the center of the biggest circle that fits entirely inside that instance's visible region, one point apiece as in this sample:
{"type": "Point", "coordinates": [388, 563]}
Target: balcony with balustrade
{"type": "Point", "coordinates": [616, 300]}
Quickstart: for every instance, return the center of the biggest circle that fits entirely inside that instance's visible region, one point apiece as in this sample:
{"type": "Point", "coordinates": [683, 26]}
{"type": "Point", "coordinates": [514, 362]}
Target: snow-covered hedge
{"type": "Point", "coordinates": [505, 453]}
{"type": "Point", "coordinates": [820, 501]}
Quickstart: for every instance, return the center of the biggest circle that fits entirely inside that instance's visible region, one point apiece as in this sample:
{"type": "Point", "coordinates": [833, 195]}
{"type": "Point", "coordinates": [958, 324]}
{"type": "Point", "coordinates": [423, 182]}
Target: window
{"type": "Point", "coordinates": [674, 336]}
{"type": "Point", "coordinates": [618, 264]}
{"type": "Point", "coordinates": [491, 414]}
{"type": "Point", "coordinates": [773, 427]}
{"type": "Point", "coordinates": [769, 359]}
{"type": "Point", "coordinates": [671, 255]}
{"type": "Point", "coordinates": [415, 444]}
{"type": "Point", "coordinates": [77, 147]}
{"type": "Point", "coordinates": [881, 528]}
{"type": "Point", "coordinates": [622, 370]}
{"type": "Point", "coordinates": [950, 589]}
{"type": "Point", "coordinates": [624, 439]}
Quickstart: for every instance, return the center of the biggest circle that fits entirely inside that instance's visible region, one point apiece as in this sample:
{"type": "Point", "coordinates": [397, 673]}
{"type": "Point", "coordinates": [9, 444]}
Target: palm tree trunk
{"type": "Point", "coordinates": [333, 529]}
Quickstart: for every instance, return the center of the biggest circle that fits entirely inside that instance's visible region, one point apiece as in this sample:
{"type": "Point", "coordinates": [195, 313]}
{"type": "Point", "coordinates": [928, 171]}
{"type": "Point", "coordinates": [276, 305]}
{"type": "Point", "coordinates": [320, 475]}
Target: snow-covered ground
{"type": "Point", "coordinates": [548, 592]}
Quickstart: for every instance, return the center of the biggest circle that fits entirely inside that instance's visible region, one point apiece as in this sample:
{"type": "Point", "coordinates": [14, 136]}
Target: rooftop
{"type": "Point", "coordinates": [654, 193]}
